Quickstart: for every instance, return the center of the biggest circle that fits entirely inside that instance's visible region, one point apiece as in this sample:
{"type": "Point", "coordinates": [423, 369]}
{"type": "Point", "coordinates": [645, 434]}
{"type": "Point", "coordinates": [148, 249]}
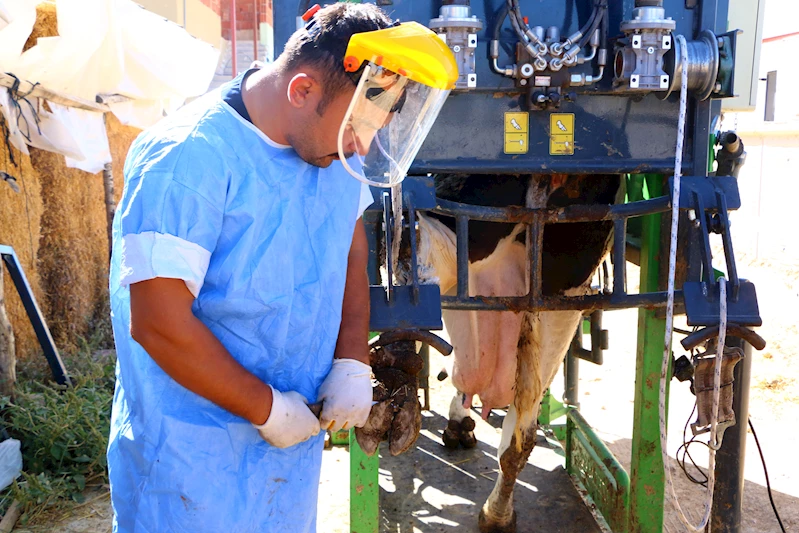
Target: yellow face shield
{"type": "Point", "coordinates": [407, 74]}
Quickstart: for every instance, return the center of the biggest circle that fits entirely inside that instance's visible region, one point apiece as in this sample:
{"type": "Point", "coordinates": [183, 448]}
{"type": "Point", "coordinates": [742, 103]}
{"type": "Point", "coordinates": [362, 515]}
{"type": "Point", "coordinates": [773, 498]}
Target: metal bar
{"type": "Point", "coordinates": [414, 260]}
{"type": "Point", "coordinates": [729, 492]}
{"type": "Point", "coordinates": [535, 246]}
{"type": "Point", "coordinates": [572, 213]}
{"type": "Point", "coordinates": [26, 87]}
{"type": "Point", "coordinates": [364, 489]}
{"type": "Point", "coordinates": [646, 472]}
{"type": "Point", "coordinates": [619, 253]}
{"type": "Point", "coordinates": [255, 22]}
{"type": "Point", "coordinates": [571, 370]}
{"type": "Point", "coordinates": [388, 238]}
{"type": "Point", "coordinates": [707, 260]}
{"type": "Point", "coordinates": [462, 243]}
{"type": "Point", "coordinates": [467, 165]}
{"type": "Point", "coordinates": [726, 239]}
{"type": "Point", "coordinates": [35, 316]}
{"type": "Point", "coordinates": [590, 302]}
{"type": "Point", "coordinates": [233, 57]}
{"type": "Point", "coordinates": [424, 375]}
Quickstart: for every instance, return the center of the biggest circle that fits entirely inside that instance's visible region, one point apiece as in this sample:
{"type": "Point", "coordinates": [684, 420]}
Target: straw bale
{"type": "Point", "coordinates": [46, 24]}
{"type": "Point", "coordinates": [20, 218]}
{"type": "Point", "coordinates": [73, 254]}
{"type": "Point", "coordinates": [119, 139]}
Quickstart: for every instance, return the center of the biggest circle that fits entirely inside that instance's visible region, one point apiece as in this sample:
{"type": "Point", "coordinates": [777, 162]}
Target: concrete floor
{"type": "Point", "coordinates": [433, 489]}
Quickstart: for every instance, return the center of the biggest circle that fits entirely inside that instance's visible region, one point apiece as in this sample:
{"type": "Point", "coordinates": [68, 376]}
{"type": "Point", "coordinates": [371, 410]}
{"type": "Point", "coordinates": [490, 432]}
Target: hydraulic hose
{"type": "Point", "coordinates": [499, 19]}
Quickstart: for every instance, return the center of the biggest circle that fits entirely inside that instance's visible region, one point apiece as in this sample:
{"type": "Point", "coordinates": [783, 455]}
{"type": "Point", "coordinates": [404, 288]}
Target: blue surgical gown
{"type": "Point", "coordinates": [261, 239]}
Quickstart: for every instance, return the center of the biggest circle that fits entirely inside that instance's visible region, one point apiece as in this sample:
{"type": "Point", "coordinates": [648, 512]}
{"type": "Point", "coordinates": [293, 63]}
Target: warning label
{"type": "Point", "coordinates": [561, 134]}
{"type": "Point", "coordinates": [516, 132]}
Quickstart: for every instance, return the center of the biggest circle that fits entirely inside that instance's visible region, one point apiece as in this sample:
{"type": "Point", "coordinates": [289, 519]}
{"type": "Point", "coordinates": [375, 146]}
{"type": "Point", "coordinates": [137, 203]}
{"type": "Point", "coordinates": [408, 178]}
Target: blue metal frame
{"type": "Point", "coordinates": [35, 315]}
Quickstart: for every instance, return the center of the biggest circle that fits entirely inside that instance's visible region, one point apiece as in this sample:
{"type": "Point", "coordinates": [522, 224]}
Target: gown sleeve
{"type": "Point", "coordinates": [170, 221]}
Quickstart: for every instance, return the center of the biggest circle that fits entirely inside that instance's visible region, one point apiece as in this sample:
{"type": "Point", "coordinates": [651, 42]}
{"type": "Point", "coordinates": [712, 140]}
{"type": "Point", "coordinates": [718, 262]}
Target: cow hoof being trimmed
{"type": "Point", "coordinates": [489, 525]}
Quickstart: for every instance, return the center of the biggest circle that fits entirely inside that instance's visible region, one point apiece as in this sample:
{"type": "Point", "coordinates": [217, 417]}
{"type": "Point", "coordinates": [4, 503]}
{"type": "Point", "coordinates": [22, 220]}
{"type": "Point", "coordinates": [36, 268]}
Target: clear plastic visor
{"type": "Point", "coordinates": [388, 119]}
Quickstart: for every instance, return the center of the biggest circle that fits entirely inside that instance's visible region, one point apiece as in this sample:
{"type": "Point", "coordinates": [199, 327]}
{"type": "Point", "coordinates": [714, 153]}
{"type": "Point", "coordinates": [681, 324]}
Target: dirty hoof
{"type": "Point", "coordinates": [460, 434]}
{"type": "Point", "coordinates": [377, 425]}
{"type": "Point", "coordinates": [452, 435]}
{"type": "Point", "coordinates": [489, 525]}
{"type": "Point", "coordinates": [406, 426]}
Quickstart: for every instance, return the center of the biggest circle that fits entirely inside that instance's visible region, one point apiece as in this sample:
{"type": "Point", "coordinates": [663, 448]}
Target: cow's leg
{"type": "Point", "coordinates": [460, 427]}
{"type": "Point", "coordinates": [497, 514]}
{"type": "Point", "coordinates": [543, 341]}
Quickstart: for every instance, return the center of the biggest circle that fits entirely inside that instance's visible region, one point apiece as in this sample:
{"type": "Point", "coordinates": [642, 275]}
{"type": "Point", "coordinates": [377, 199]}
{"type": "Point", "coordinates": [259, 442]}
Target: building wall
{"type": "Point", "coordinates": [202, 18]}
{"type": "Point", "coordinates": [245, 14]}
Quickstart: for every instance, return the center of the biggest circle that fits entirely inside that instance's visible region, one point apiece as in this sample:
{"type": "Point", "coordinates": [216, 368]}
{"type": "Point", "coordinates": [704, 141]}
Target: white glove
{"type": "Point", "coordinates": [346, 395]}
{"type": "Point", "coordinates": [290, 422]}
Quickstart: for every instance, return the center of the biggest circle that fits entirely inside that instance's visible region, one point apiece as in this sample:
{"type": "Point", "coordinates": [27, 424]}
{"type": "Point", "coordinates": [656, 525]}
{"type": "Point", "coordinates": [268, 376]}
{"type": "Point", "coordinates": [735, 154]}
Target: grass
{"type": "Point", "coordinates": [64, 432]}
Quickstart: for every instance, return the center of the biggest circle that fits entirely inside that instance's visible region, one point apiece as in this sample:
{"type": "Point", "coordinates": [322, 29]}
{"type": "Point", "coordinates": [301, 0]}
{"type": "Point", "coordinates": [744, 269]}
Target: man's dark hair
{"type": "Point", "coordinates": [323, 45]}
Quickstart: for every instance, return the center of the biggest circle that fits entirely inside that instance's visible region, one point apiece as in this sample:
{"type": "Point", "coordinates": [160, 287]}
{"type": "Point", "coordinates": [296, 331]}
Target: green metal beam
{"type": "Point", "coordinates": [647, 474]}
{"type": "Point", "coordinates": [364, 489]}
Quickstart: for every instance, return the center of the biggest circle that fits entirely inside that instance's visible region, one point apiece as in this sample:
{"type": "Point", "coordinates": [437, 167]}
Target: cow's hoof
{"type": "Point", "coordinates": [489, 525]}
{"type": "Point", "coordinates": [451, 439]}
{"type": "Point", "coordinates": [467, 438]}
{"type": "Point", "coordinates": [467, 424]}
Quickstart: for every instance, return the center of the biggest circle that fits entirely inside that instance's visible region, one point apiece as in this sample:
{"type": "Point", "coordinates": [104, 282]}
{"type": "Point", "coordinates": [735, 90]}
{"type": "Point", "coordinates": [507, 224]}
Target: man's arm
{"type": "Point", "coordinates": [163, 323]}
{"type": "Point", "coordinates": [353, 334]}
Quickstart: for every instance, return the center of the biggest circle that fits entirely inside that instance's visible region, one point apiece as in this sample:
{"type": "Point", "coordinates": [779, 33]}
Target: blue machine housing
{"type": "Point", "coordinates": [615, 132]}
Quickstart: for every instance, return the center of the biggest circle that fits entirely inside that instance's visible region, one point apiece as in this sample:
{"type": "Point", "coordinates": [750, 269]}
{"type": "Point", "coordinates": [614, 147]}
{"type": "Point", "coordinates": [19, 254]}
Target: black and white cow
{"type": "Point", "coordinates": [507, 358]}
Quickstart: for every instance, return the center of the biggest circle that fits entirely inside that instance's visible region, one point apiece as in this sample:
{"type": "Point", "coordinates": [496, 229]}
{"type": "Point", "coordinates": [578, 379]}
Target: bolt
{"type": "Point", "coordinates": [721, 43]}
{"type": "Point", "coordinates": [456, 48]}
{"type": "Point", "coordinates": [651, 50]}
{"type": "Point", "coordinates": [691, 215]}
{"type": "Point", "coordinates": [717, 88]}
{"type": "Point", "coordinates": [522, 82]}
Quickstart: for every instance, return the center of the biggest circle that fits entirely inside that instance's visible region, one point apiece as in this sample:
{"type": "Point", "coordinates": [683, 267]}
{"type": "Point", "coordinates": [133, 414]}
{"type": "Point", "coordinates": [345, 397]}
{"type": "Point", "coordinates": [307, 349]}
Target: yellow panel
{"type": "Point", "coordinates": [516, 143]}
{"type": "Point", "coordinates": [516, 122]}
{"type": "Point", "coordinates": [561, 134]}
{"type": "Point", "coordinates": [561, 145]}
{"type": "Point", "coordinates": [561, 124]}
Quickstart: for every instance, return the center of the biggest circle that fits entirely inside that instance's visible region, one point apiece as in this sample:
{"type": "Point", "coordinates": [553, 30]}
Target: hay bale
{"type": "Point", "coordinates": [20, 218]}
{"type": "Point", "coordinates": [74, 253]}
{"type": "Point", "coordinates": [46, 24]}
{"type": "Point", "coordinates": [119, 140]}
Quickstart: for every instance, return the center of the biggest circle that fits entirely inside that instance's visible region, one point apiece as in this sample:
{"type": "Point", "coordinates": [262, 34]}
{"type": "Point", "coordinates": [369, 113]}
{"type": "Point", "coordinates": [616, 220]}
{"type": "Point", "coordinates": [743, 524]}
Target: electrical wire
{"type": "Point", "coordinates": [765, 471]}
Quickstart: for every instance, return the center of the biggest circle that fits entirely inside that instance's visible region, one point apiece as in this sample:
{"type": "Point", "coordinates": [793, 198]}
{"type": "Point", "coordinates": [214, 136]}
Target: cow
{"type": "Point", "coordinates": [510, 358]}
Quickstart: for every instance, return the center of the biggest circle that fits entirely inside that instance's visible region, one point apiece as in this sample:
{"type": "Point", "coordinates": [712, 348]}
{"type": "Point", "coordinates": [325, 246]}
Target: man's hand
{"type": "Point", "coordinates": [346, 395]}
{"type": "Point", "coordinates": [290, 422]}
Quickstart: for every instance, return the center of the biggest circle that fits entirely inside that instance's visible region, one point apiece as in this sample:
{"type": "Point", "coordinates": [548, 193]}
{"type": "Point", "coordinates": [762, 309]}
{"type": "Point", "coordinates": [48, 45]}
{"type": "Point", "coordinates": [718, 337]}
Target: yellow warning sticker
{"type": "Point", "coordinates": [561, 134]}
{"type": "Point", "coordinates": [516, 132]}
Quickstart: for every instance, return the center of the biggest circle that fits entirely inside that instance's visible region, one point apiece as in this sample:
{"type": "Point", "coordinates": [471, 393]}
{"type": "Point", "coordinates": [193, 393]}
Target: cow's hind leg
{"type": "Point", "coordinates": [497, 514]}
{"type": "Point", "coordinates": [460, 427]}
{"type": "Point", "coordinates": [543, 340]}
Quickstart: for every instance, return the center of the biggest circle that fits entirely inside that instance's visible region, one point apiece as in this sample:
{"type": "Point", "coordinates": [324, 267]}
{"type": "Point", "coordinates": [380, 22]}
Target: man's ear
{"type": "Point", "coordinates": [303, 91]}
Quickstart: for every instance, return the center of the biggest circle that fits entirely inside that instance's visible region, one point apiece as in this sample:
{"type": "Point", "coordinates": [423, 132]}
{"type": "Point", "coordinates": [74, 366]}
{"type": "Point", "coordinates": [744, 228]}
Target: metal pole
{"type": "Point", "coordinates": [647, 476]}
{"type": "Point", "coordinates": [255, 23]}
{"type": "Point", "coordinates": [571, 374]}
{"type": "Point", "coordinates": [728, 495]}
{"type": "Point", "coordinates": [235, 69]}
{"type": "Point", "coordinates": [184, 15]}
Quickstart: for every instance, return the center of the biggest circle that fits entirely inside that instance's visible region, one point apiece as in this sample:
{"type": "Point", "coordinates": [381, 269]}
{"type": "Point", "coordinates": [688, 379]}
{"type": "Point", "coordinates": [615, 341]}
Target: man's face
{"type": "Point", "coordinates": [316, 140]}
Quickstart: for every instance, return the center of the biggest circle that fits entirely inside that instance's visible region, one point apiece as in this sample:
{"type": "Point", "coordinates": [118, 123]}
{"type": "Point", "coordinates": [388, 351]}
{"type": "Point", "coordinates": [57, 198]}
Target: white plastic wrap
{"type": "Point", "coordinates": [10, 462]}
{"type": "Point", "coordinates": [102, 47]}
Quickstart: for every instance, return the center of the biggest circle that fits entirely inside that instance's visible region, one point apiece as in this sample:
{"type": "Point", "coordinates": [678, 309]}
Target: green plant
{"type": "Point", "coordinates": [64, 431]}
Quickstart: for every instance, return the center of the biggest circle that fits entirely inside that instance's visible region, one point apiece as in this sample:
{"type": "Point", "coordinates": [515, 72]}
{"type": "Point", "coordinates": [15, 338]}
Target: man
{"type": "Point", "coordinates": [239, 293]}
